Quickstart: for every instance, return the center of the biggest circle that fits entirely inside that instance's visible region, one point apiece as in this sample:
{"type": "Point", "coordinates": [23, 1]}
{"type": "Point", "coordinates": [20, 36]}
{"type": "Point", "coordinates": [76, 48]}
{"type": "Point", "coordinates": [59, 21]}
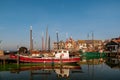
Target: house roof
{"type": "Point", "coordinates": [116, 41]}
{"type": "Point", "coordinates": [81, 41]}
{"type": "Point", "coordinates": [113, 42]}
{"type": "Point", "coordinates": [89, 41]}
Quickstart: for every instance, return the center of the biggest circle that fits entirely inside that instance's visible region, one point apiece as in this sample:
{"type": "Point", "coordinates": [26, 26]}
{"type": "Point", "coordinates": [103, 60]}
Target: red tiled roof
{"type": "Point", "coordinates": [117, 41]}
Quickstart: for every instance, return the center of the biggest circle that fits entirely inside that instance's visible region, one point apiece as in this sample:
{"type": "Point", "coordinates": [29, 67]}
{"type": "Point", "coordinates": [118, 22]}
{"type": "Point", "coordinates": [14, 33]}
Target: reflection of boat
{"type": "Point", "coordinates": [92, 58]}
{"type": "Point", "coordinates": [93, 55]}
{"type": "Point", "coordinates": [60, 70]}
{"type": "Point", "coordinates": [60, 56]}
{"type": "Point", "coordinates": [24, 68]}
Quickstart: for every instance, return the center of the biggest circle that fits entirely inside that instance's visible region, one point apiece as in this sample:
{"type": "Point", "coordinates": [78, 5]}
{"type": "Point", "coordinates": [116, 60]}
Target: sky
{"type": "Point", "coordinates": [71, 18]}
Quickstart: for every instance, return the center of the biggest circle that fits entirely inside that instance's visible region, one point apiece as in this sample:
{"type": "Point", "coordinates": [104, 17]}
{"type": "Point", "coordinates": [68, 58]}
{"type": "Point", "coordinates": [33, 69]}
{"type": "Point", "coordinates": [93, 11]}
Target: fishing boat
{"type": "Point", "coordinates": [59, 56]}
{"type": "Point", "coordinates": [94, 54]}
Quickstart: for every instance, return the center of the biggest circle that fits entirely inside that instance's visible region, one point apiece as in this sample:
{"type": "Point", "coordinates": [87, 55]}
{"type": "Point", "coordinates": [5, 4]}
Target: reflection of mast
{"type": "Point", "coordinates": [31, 76]}
{"type": "Point", "coordinates": [62, 72]}
{"type": "Point", "coordinates": [31, 39]}
{"type": "Point", "coordinates": [42, 73]}
{"type": "Point", "coordinates": [46, 40]}
{"type": "Point", "coordinates": [88, 67]}
{"type": "Point", "coordinates": [93, 70]}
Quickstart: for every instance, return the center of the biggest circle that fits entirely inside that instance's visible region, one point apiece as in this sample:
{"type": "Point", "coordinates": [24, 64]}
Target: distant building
{"type": "Point", "coordinates": [85, 45]}
{"type": "Point", "coordinates": [55, 45]}
{"type": "Point", "coordinates": [81, 45]}
{"type": "Point", "coordinates": [70, 44]}
{"type": "Point", "coordinates": [60, 45]}
{"type": "Point", "coordinates": [89, 45]}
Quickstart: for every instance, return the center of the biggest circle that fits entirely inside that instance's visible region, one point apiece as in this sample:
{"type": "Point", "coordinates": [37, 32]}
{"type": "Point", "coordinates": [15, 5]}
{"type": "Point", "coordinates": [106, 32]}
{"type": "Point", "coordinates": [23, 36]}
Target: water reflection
{"type": "Point", "coordinates": [61, 71]}
{"type": "Point", "coordinates": [88, 59]}
{"type": "Point", "coordinates": [106, 68]}
{"type": "Point", "coordinates": [91, 65]}
{"type": "Point", "coordinates": [113, 62]}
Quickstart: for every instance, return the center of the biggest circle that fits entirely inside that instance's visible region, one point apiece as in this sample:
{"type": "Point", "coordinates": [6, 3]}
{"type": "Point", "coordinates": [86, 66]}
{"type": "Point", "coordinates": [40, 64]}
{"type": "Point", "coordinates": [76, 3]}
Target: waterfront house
{"type": "Point", "coordinates": [91, 45]}
{"type": "Point", "coordinates": [84, 45]}
{"type": "Point", "coordinates": [55, 45]}
{"type": "Point", "coordinates": [70, 44]}
{"type": "Point", "coordinates": [81, 45]}
{"type": "Point", "coordinates": [59, 45]}
{"type": "Point", "coordinates": [113, 46]}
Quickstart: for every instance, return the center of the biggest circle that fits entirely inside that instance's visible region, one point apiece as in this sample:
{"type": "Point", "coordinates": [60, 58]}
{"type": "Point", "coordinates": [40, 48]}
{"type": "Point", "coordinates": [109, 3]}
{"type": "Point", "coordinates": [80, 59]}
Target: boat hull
{"type": "Point", "coordinates": [45, 60]}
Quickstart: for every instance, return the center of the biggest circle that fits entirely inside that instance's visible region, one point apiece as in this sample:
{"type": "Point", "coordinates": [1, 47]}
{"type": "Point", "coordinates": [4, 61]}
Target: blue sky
{"type": "Point", "coordinates": [77, 18]}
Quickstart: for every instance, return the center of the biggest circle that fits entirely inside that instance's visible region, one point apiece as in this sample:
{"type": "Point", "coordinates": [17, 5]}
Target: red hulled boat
{"type": "Point", "coordinates": [60, 56]}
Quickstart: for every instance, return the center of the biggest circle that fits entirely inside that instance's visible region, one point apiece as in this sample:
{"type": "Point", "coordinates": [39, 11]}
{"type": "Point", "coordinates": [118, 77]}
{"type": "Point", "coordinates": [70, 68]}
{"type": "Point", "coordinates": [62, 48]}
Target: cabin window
{"type": "Point", "coordinates": [55, 52]}
{"type": "Point", "coordinates": [64, 51]}
{"type": "Point", "coordinates": [59, 51]}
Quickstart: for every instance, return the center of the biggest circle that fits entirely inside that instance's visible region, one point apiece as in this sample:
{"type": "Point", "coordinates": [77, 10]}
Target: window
{"type": "Point", "coordinates": [64, 51]}
{"type": "Point", "coordinates": [59, 51]}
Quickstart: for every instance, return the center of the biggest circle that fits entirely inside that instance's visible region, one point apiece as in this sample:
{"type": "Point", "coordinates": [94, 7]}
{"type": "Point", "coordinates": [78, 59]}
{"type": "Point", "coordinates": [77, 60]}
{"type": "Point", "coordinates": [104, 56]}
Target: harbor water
{"type": "Point", "coordinates": [86, 69]}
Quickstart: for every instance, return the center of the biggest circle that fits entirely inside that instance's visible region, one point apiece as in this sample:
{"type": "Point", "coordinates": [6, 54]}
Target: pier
{"type": "Point", "coordinates": [5, 59]}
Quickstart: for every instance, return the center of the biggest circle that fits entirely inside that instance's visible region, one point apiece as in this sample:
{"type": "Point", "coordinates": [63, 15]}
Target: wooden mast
{"type": "Point", "coordinates": [46, 40]}
{"type": "Point", "coordinates": [57, 40]}
{"type": "Point", "coordinates": [49, 43]}
{"type": "Point", "coordinates": [42, 41]}
{"type": "Point", "coordinates": [31, 39]}
{"type": "Point", "coordinates": [0, 44]}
